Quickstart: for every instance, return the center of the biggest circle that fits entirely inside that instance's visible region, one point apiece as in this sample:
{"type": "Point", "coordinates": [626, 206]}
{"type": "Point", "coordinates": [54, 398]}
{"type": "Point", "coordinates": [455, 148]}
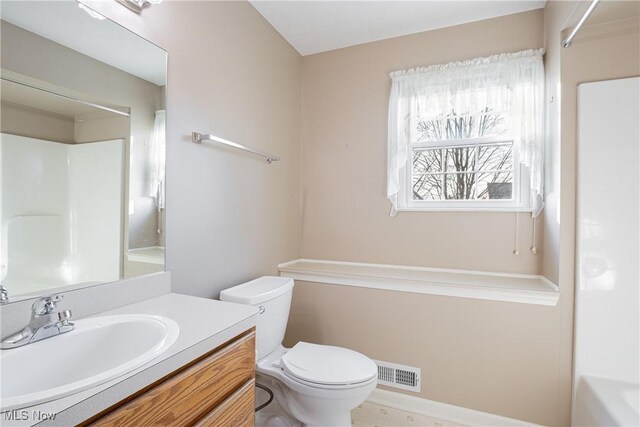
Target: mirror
{"type": "Point", "coordinates": [82, 149]}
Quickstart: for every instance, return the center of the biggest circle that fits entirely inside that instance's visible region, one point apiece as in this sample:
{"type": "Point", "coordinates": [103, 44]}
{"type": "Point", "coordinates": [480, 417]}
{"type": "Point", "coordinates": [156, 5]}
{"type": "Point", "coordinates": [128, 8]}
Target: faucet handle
{"type": "Point", "coordinates": [46, 305]}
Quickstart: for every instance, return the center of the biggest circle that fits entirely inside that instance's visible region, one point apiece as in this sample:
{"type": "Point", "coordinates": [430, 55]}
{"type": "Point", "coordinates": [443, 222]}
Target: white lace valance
{"type": "Point", "coordinates": [511, 83]}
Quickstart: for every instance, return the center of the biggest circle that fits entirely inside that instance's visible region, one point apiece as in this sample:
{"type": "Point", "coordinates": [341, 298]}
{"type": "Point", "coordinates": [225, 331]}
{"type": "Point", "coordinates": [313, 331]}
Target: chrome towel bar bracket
{"type": "Point", "coordinates": [198, 138]}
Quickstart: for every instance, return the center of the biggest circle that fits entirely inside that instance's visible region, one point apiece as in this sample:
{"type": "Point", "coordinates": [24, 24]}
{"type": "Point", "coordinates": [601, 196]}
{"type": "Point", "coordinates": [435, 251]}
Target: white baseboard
{"type": "Point", "coordinates": [443, 411]}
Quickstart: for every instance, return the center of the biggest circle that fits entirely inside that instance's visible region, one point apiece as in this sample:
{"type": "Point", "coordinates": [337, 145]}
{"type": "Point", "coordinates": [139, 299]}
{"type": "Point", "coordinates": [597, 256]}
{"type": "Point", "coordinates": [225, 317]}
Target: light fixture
{"type": "Point", "coordinates": [138, 6]}
{"type": "Point", "coordinates": [92, 13]}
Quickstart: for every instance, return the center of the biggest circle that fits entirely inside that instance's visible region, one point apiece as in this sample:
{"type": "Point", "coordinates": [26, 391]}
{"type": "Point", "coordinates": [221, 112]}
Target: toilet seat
{"type": "Point", "coordinates": [324, 366]}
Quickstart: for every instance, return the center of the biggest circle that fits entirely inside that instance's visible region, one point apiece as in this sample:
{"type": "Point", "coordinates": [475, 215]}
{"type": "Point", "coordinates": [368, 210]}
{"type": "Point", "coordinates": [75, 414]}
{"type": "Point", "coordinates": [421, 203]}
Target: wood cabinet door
{"type": "Point", "coordinates": [193, 393]}
{"type": "Point", "coordinates": [236, 411]}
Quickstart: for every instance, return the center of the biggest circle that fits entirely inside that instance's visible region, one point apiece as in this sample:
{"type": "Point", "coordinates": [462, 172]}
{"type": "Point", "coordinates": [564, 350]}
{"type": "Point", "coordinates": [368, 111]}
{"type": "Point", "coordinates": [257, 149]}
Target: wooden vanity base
{"type": "Point", "coordinates": [214, 390]}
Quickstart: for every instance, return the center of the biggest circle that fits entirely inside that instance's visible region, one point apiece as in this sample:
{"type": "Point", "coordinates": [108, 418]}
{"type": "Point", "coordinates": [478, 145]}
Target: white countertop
{"type": "Point", "coordinates": [204, 325]}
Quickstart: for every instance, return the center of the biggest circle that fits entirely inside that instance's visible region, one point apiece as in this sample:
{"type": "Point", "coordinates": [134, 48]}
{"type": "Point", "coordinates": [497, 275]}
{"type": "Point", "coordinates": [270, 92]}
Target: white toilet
{"type": "Point", "coordinates": [319, 385]}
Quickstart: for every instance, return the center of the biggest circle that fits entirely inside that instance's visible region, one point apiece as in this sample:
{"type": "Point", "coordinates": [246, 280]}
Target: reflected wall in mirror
{"type": "Point", "coordinates": [82, 149]}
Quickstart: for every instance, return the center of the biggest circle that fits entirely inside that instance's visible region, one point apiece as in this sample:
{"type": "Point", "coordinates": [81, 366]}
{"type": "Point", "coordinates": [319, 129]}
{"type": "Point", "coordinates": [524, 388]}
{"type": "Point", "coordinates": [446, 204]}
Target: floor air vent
{"type": "Point", "coordinates": [399, 376]}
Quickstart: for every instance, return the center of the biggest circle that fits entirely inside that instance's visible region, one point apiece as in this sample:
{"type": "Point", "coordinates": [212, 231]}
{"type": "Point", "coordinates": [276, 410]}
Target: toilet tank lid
{"type": "Point", "coordinates": [258, 291]}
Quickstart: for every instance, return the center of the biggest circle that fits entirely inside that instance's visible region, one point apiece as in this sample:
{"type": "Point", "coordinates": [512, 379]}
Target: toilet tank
{"type": "Point", "coordinates": [272, 295]}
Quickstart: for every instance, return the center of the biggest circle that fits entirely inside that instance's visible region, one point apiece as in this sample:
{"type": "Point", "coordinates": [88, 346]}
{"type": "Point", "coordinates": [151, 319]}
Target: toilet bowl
{"type": "Point", "coordinates": [318, 385]}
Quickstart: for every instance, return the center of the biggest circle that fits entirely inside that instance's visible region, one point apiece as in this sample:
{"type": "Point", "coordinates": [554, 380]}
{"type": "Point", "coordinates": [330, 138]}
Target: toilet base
{"type": "Point", "coordinates": [273, 415]}
{"type": "Point", "coordinates": [293, 409]}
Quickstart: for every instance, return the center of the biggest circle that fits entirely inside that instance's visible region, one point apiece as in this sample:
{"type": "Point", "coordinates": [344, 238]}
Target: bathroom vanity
{"type": "Point", "coordinates": [206, 377]}
{"type": "Point", "coordinates": [215, 389]}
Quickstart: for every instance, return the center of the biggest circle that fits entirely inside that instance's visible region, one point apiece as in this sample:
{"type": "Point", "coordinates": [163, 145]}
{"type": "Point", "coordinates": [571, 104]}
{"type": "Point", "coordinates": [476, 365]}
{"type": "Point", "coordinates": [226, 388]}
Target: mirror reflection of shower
{"type": "Point", "coordinates": [71, 210]}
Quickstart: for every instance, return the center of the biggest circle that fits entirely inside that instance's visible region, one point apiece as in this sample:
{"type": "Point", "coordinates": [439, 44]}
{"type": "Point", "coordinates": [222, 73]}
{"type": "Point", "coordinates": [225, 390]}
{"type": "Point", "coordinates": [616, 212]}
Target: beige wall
{"type": "Point", "coordinates": [230, 216]}
{"type": "Point", "coordinates": [556, 15]}
{"type": "Point", "coordinates": [496, 357]}
{"type": "Point", "coordinates": [21, 120]}
{"type": "Point", "coordinates": [510, 359]}
{"type": "Point", "coordinates": [344, 153]}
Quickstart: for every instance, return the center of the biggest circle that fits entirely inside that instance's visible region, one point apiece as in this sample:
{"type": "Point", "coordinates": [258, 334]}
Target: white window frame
{"type": "Point", "coordinates": [517, 203]}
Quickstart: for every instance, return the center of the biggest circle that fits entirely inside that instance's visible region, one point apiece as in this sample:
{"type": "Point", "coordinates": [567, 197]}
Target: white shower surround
{"type": "Point", "coordinates": [61, 213]}
{"type": "Point", "coordinates": [607, 333]}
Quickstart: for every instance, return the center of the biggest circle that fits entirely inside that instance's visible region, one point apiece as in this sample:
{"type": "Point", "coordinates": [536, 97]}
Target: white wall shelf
{"type": "Point", "coordinates": [518, 288]}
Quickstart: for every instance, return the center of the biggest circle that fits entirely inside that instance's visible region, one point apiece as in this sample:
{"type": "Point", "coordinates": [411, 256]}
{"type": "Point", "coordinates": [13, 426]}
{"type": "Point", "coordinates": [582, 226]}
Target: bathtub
{"type": "Point", "coordinates": [151, 255]}
{"type": "Point", "coordinates": [605, 402]}
{"type": "Point", "coordinates": [141, 261]}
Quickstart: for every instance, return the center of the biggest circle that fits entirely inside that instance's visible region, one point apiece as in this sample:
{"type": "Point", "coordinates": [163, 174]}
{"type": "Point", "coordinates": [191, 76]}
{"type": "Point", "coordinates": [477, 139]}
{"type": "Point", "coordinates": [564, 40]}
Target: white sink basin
{"type": "Point", "coordinates": [98, 350]}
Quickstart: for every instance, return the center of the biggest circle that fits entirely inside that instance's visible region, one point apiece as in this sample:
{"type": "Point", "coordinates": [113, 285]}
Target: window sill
{"type": "Point", "coordinates": [518, 288]}
{"type": "Point", "coordinates": [464, 209]}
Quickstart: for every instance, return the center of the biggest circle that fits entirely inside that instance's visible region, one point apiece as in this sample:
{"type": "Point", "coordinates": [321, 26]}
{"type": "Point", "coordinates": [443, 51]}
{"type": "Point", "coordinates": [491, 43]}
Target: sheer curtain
{"type": "Point", "coordinates": [157, 158]}
{"type": "Point", "coordinates": [509, 83]}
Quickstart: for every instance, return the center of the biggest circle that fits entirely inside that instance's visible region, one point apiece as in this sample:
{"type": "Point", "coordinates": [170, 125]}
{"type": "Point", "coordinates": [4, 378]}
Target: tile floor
{"type": "Point", "coordinates": [371, 414]}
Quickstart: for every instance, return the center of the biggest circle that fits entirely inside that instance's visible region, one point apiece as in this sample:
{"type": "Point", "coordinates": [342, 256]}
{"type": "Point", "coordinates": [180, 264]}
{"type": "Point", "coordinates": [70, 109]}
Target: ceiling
{"type": "Point", "coordinates": [65, 23]}
{"type": "Point", "coordinates": [313, 26]}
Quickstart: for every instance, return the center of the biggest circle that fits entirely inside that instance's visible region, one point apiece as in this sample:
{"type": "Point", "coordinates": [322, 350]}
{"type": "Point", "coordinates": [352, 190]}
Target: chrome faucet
{"type": "Point", "coordinates": [45, 322]}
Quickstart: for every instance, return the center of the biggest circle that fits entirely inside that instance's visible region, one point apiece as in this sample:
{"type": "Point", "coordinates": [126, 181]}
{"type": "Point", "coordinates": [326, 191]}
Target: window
{"type": "Point", "coordinates": [463, 159]}
{"type": "Point", "coordinates": [468, 172]}
{"type": "Point", "coordinates": [467, 136]}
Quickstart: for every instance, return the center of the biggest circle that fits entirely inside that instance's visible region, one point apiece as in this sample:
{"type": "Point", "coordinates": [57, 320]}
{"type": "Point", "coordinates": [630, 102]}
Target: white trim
{"type": "Point", "coordinates": [441, 208]}
{"type": "Point", "coordinates": [519, 184]}
{"type": "Point", "coordinates": [443, 411]}
{"type": "Point", "coordinates": [519, 288]}
{"type": "Point", "coordinates": [462, 142]}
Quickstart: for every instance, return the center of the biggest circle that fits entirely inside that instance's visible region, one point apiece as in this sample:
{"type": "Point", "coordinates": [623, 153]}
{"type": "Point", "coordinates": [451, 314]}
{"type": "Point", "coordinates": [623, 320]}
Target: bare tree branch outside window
{"type": "Point", "coordinates": [466, 172]}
